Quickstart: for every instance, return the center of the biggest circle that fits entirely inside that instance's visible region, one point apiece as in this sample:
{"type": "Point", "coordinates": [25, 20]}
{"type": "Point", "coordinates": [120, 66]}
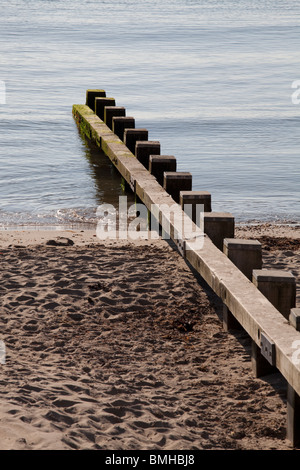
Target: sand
{"type": "Point", "coordinates": [118, 346]}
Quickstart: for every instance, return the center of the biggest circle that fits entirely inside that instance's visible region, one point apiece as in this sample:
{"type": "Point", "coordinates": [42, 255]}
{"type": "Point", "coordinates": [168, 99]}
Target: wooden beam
{"type": "Point", "coordinates": [248, 305]}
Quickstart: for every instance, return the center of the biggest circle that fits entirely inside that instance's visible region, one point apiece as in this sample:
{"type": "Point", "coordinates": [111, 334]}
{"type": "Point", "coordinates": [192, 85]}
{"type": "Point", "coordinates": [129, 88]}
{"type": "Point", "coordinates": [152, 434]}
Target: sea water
{"type": "Point", "coordinates": [211, 80]}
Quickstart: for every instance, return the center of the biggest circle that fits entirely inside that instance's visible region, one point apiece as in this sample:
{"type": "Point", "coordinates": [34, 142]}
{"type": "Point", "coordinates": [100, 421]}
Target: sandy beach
{"type": "Point", "coordinates": [118, 346]}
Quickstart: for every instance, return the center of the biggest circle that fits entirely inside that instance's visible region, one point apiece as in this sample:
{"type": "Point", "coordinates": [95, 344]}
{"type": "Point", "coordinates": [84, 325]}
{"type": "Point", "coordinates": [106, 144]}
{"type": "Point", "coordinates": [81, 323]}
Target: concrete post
{"type": "Point", "coordinates": [100, 104]}
{"type": "Point", "coordinates": [217, 226]}
{"type": "Point", "coordinates": [145, 148]}
{"type": "Point", "coordinates": [294, 318]}
{"type": "Point", "coordinates": [279, 287]}
{"type": "Point", "coordinates": [91, 95]}
{"type": "Point", "coordinates": [131, 136]}
{"type": "Point", "coordinates": [201, 199]}
{"type": "Point", "coordinates": [120, 123]}
{"type": "Point", "coordinates": [158, 164]}
{"type": "Point", "coordinates": [110, 112]}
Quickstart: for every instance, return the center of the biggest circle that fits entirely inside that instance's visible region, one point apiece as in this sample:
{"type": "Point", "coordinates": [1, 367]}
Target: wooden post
{"type": "Point", "coordinates": [158, 164]}
{"type": "Point", "coordinates": [100, 104]}
{"type": "Point", "coordinates": [246, 255]}
{"type": "Point", "coordinates": [293, 417]}
{"type": "Point", "coordinates": [260, 365]}
{"type": "Point", "coordinates": [176, 181]}
{"type": "Point", "coordinates": [278, 286]}
{"type": "Point", "coordinates": [112, 111]}
{"type": "Point", "coordinates": [131, 136]}
{"type": "Point", "coordinates": [217, 226]}
{"type": "Point", "coordinates": [229, 320]}
{"type": "Point", "coordinates": [120, 123]}
{"type": "Point", "coordinates": [143, 150]}
{"type": "Point", "coordinates": [196, 198]}
{"type": "Point", "coordinates": [91, 95]}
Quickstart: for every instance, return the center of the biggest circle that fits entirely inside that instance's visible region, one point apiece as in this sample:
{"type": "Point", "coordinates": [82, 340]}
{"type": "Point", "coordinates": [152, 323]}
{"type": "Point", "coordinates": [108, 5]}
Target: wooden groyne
{"type": "Point", "coordinates": [260, 301]}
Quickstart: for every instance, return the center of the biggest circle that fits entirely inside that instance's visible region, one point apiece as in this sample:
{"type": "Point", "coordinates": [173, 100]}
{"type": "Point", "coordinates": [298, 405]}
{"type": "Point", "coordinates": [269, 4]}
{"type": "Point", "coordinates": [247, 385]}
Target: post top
{"type": "Point", "coordinates": [193, 194]}
{"type": "Point", "coordinates": [105, 98]}
{"type": "Point", "coordinates": [177, 174]}
{"type": "Point", "coordinates": [242, 243]}
{"type": "Point", "coordinates": [275, 275]}
{"type": "Point", "coordinates": [162, 157]}
{"type": "Point", "coordinates": [102, 101]}
{"type": "Point", "coordinates": [135, 131]}
{"type": "Point", "coordinates": [217, 216]}
{"type": "Point", "coordinates": [121, 118]}
{"type": "Point", "coordinates": [147, 143]}
{"type": "Point", "coordinates": [115, 108]}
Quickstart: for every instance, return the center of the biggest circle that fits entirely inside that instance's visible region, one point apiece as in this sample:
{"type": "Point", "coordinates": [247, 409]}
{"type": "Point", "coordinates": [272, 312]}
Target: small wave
{"type": "Point", "coordinates": [60, 217]}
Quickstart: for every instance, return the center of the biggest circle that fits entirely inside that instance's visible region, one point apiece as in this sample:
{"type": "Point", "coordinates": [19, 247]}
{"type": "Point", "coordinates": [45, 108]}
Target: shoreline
{"type": "Point", "coordinates": [116, 347]}
{"type": "Point", "coordinates": [269, 234]}
{"type": "Point", "coordinates": [91, 225]}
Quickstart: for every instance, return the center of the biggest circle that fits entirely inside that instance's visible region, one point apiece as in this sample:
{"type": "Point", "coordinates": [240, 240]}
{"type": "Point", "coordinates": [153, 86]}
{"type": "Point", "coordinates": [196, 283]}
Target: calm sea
{"type": "Point", "coordinates": [210, 79]}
